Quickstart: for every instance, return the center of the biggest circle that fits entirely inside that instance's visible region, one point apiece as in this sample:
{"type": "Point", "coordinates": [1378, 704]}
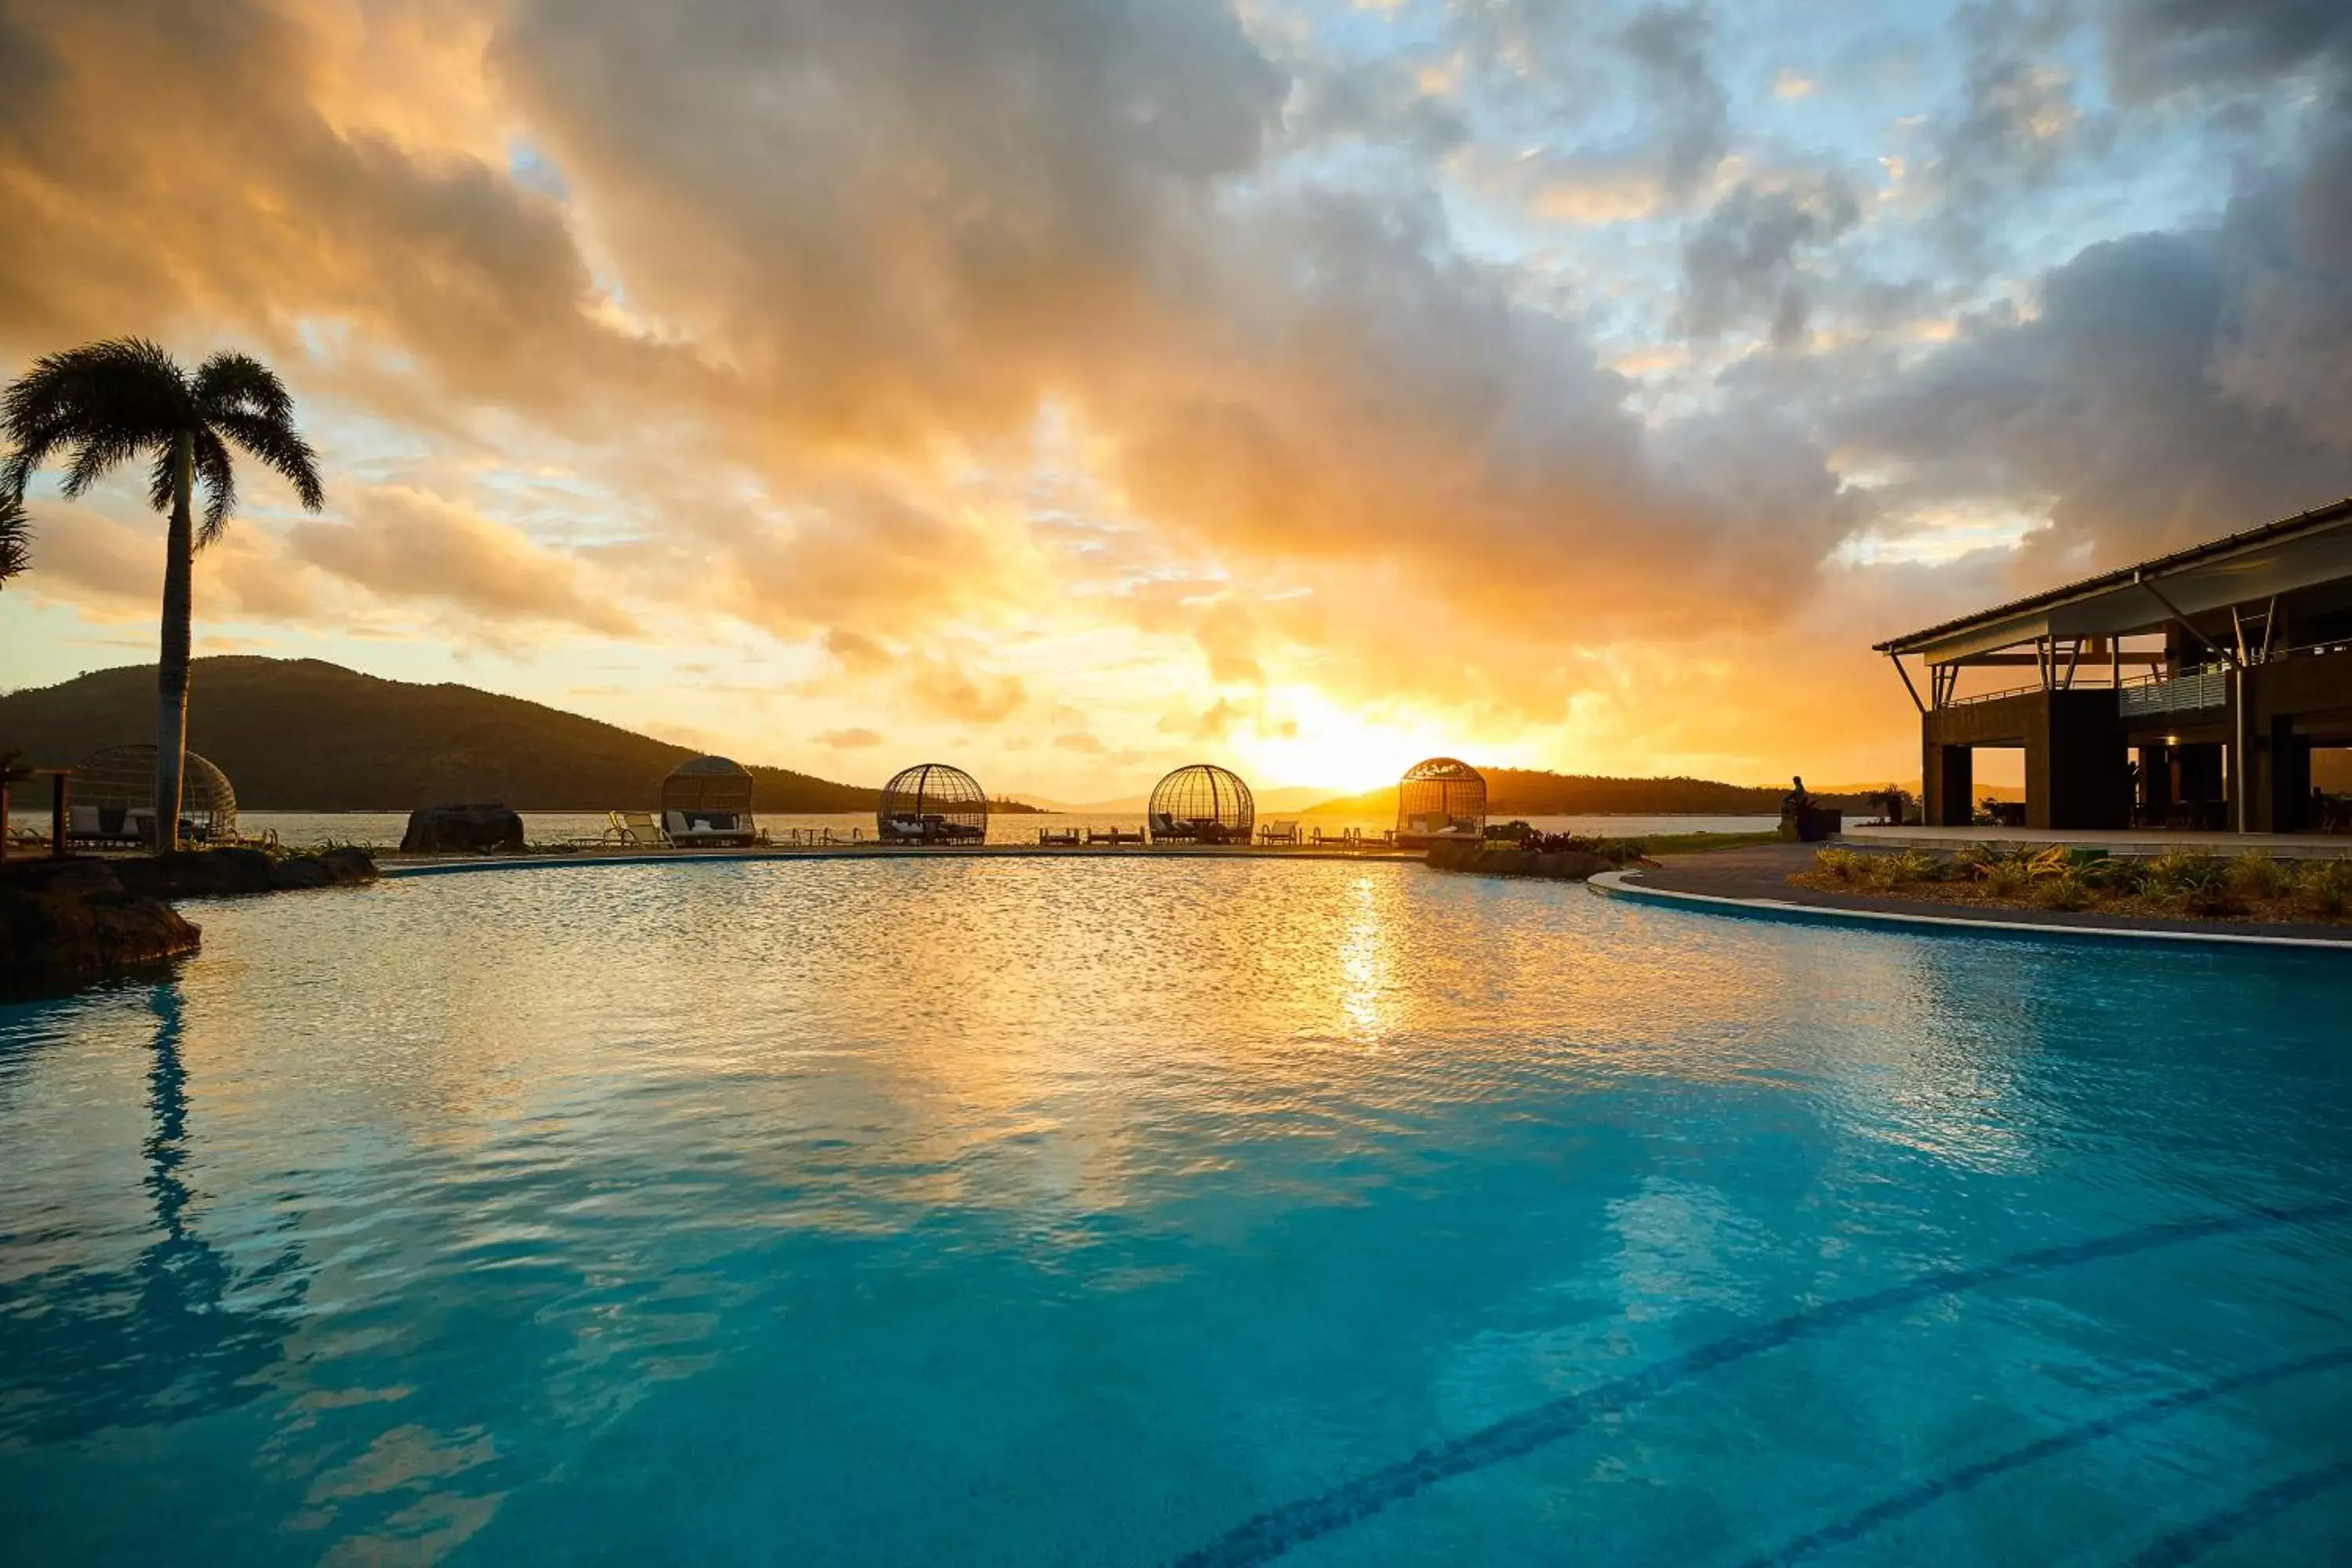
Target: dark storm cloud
{"type": "Point", "coordinates": [1670, 43]}
{"type": "Point", "coordinates": [1742, 264]}
{"type": "Point", "coordinates": [2108, 403]}
{"type": "Point", "coordinates": [2156, 46]}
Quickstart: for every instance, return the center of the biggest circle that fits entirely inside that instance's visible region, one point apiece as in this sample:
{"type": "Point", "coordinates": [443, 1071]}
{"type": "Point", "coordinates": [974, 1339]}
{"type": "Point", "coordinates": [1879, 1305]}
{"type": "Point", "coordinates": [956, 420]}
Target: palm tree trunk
{"type": "Point", "coordinates": [172, 661]}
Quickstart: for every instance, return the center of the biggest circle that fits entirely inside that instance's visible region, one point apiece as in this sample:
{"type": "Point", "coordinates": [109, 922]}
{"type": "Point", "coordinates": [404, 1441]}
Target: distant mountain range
{"type": "Point", "coordinates": [1520, 791]}
{"type": "Point", "coordinates": [306, 735]}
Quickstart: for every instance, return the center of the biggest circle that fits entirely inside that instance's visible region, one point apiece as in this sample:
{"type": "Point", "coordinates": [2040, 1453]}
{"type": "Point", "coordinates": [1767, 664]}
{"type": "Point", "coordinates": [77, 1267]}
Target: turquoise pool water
{"type": "Point", "coordinates": [1118, 1212]}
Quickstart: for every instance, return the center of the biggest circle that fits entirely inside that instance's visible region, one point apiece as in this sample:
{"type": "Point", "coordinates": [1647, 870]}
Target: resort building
{"type": "Point", "coordinates": [2210, 689]}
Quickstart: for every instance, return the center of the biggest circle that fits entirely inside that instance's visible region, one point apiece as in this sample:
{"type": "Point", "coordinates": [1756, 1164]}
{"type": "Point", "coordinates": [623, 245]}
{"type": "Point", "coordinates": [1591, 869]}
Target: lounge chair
{"type": "Point", "coordinates": [634, 830]}
{"type": "Point", "coordinates": [1278, 833]}
{"type": "Point", "coordinates": [709, 829]}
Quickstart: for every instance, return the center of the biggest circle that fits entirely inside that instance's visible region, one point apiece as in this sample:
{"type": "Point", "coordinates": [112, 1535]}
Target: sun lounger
{"type": "Point", "coordinates": [709, 829]}
{"type": "Point", "coordinates": [632, 830]}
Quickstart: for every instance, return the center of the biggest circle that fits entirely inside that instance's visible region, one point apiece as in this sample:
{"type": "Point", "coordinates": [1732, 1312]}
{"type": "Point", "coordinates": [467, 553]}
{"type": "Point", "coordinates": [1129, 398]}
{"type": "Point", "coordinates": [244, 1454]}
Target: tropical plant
{"type": "Point", "coordinates": [2323, 888]}
{"type": "Point", "coordinates": [16, 536]}
{"type": "Point", "coordinates": [1841, 864]}
{"type": "Point", "coordinates": [2257, 877]}
{"type": "Point", "coordinates": [2199, 882]}
{"type": "Point", "coordinates": [106, 403]}
{"type": "Point", "coordinates": [2065, 891]}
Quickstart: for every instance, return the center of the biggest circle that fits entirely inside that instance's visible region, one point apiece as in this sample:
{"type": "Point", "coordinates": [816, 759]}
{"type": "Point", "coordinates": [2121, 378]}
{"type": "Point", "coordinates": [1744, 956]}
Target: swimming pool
{"type": "Point", "coordinates": [1120, 1212]}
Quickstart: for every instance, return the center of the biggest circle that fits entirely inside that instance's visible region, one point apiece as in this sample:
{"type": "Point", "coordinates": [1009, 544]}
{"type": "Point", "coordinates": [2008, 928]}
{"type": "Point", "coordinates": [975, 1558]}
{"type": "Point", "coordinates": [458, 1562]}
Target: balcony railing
{"type": "Point", "coordinates": [2207, 688]}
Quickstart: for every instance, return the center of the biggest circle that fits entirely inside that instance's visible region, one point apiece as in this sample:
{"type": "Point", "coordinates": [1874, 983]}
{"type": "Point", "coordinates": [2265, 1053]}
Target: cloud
{"type": "Point", "coordinates": [407, 544]}
{"type": "Point", "coordinates": [2110, 402]}
{"type": "Point", "coordinates": [1082, 742]}
{"type": "Point", "coordinates": [2160, 46]}
{"type": "Point", "coordinates": [1164, 363]}
{"type": "Point", "coordinates": [849, 739]}
{"type": "Point", "coordinates": [1746, 260]}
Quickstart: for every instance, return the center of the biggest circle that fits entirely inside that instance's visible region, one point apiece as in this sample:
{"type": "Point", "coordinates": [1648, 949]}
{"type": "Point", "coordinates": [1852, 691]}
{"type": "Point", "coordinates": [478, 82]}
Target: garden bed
{"type": "Point", "coordinates": [2179, 884]}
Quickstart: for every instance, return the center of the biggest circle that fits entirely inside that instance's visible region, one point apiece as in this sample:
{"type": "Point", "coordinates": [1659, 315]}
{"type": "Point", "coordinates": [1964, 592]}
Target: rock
{"type": "Point", "coordinates": [196, 873]}
{"type": "Point", "coordinates": [434, 829]}
{"type": "Point", "coordinates": [67, 923]}
{"type": "Point", "coordinates": [1562, 864]}
{"type": "Point", "coordinates": [341, 867]}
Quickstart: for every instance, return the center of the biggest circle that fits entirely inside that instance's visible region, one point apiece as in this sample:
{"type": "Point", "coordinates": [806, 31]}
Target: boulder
{"type": "Point", "coordinates": [67, 923]}
{"type": "Point", "coordinates": [196, 873]}
{"type": "Point", "coordinates": [1563, 864]}
{"type": "Point", "coordinates": [341, 867]}
{"type": "Point", "coordinates": [438, 829]}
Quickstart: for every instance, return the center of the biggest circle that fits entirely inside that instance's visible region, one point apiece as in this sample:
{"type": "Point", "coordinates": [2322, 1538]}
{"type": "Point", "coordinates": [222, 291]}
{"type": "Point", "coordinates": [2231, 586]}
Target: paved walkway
{"type": "Point", "coordinates": [2116, 841]}
{"type": "Point", "coordinates": [1763, 872]}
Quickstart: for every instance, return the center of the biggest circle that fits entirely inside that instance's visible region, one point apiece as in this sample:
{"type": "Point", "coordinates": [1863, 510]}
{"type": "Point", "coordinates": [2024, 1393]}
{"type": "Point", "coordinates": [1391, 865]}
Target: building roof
{"type": "Point", "coordinates": [2294, 552]}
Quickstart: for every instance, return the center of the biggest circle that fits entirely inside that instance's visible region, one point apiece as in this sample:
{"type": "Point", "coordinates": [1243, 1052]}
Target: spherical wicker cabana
{"type": "Point", "coordinates": [1440, 798]}
{"type": "Point", "coordinates": [1203, 804]}
{"type": "Point", "coordinates": [932, 803]}
{"type": "Point", "coordinates": [708, 800]}
{"type": "Point", "coordinates": [112, 796]}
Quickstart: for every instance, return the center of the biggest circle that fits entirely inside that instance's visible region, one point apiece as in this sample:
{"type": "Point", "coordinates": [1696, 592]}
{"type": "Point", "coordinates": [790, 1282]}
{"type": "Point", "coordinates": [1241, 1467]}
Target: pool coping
{"type": "Point", "coordinates": [393, 870]}
{"type": "Point", "coordinates": [1616, 884]}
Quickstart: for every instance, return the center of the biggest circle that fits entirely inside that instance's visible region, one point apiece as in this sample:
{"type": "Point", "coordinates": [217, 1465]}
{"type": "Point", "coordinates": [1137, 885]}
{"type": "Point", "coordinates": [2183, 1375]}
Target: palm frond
{"type": "Point", "coordinates": [95, 450]}
{"type": "Point", "coordinates": [16, 537]}
{"type": "Point", "coordinates": [159, 484]}
{"type": "Point", "coordinates": [103, 402]}
{"type": "Point", "coordinates": [230, 382]}
{"type": "Point", "coordinates": [218, 476]}
{"type": "Point", "coordinates": [277, 443]}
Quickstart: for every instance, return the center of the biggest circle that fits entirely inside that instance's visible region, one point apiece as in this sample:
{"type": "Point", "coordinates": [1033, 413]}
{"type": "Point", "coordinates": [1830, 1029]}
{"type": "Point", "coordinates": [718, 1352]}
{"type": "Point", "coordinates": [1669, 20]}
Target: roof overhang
{"type": "Point", "coordinates": [2300, 553]}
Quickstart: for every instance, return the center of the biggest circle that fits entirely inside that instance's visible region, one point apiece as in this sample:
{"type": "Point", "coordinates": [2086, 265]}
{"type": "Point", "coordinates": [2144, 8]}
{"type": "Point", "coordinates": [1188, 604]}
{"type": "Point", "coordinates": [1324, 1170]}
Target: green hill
{"type": "Point", "coordinates": [306, 735]}
{"type": "Point", "coordinates": [1521, 791]}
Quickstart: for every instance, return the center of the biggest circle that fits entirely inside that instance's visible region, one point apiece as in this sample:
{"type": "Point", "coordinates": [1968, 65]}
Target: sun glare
{"type": "Point", "coordinates": [1345, 748]}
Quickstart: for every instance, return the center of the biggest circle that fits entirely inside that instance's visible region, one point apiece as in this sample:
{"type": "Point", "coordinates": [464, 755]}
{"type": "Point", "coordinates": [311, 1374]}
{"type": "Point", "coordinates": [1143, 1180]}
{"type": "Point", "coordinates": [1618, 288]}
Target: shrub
{"type": "Point", "coordinates": [2256, 876]}
{"type": "Point", "coordinates": [2123, 876]}
{"type": "Point", "coordinates": [2066, 890]}
{"type": "Point", "coordinates": [1971, 861]}
{"type": "Point", "coordinates": [2323, 888]}
{"type": "Point", "coordinates": [2008, 878]}
{"type": "Point", "coordinates": [2199, 883]}
{"type": "Point", "coordinates": [1846, 866]}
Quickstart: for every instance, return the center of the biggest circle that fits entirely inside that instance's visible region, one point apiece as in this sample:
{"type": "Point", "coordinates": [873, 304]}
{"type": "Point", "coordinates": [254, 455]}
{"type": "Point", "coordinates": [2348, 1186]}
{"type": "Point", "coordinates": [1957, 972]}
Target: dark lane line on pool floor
{"type": "Point", "coordinates": [2214, 1530]}
{"type": "Point", "coordinates": [1270, 1534]}
{"type": "Point", "coordinates": [1856, 1525]}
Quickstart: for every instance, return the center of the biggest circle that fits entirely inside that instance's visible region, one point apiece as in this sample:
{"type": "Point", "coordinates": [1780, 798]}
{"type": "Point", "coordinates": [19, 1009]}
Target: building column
{"type": "Point", "coordinates": [1947, 783]}
{"type": "Point", "coordinates": [2285, 758]}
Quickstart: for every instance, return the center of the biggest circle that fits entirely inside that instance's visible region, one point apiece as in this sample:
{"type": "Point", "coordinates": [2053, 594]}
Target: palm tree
{"type": "Point", "coordinates": [105, 403]}
{"type": "Point", "coordinates": [16, 536]}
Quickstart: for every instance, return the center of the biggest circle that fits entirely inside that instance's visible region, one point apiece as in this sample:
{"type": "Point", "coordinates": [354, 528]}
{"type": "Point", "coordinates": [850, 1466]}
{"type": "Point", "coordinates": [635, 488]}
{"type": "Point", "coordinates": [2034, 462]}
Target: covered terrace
{"type": "Point", "coordinates": [2208, 690]}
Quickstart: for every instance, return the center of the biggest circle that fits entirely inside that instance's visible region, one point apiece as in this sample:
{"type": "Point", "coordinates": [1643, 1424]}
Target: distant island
{"type": "Point", "coordinates": [1522, 792]}
{"type": "Point", "coordinates": [307, 735]}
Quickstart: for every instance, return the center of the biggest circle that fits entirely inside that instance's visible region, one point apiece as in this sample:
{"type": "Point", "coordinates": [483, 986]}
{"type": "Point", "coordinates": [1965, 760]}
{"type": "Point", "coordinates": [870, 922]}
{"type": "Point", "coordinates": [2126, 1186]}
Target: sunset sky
{"type": "Point", "coordinates": [1071, 388]}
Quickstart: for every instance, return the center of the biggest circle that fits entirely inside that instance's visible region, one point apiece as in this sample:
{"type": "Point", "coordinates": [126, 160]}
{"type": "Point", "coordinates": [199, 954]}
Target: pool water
{"type": "Point", "coordinates": [1124, 1212]}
